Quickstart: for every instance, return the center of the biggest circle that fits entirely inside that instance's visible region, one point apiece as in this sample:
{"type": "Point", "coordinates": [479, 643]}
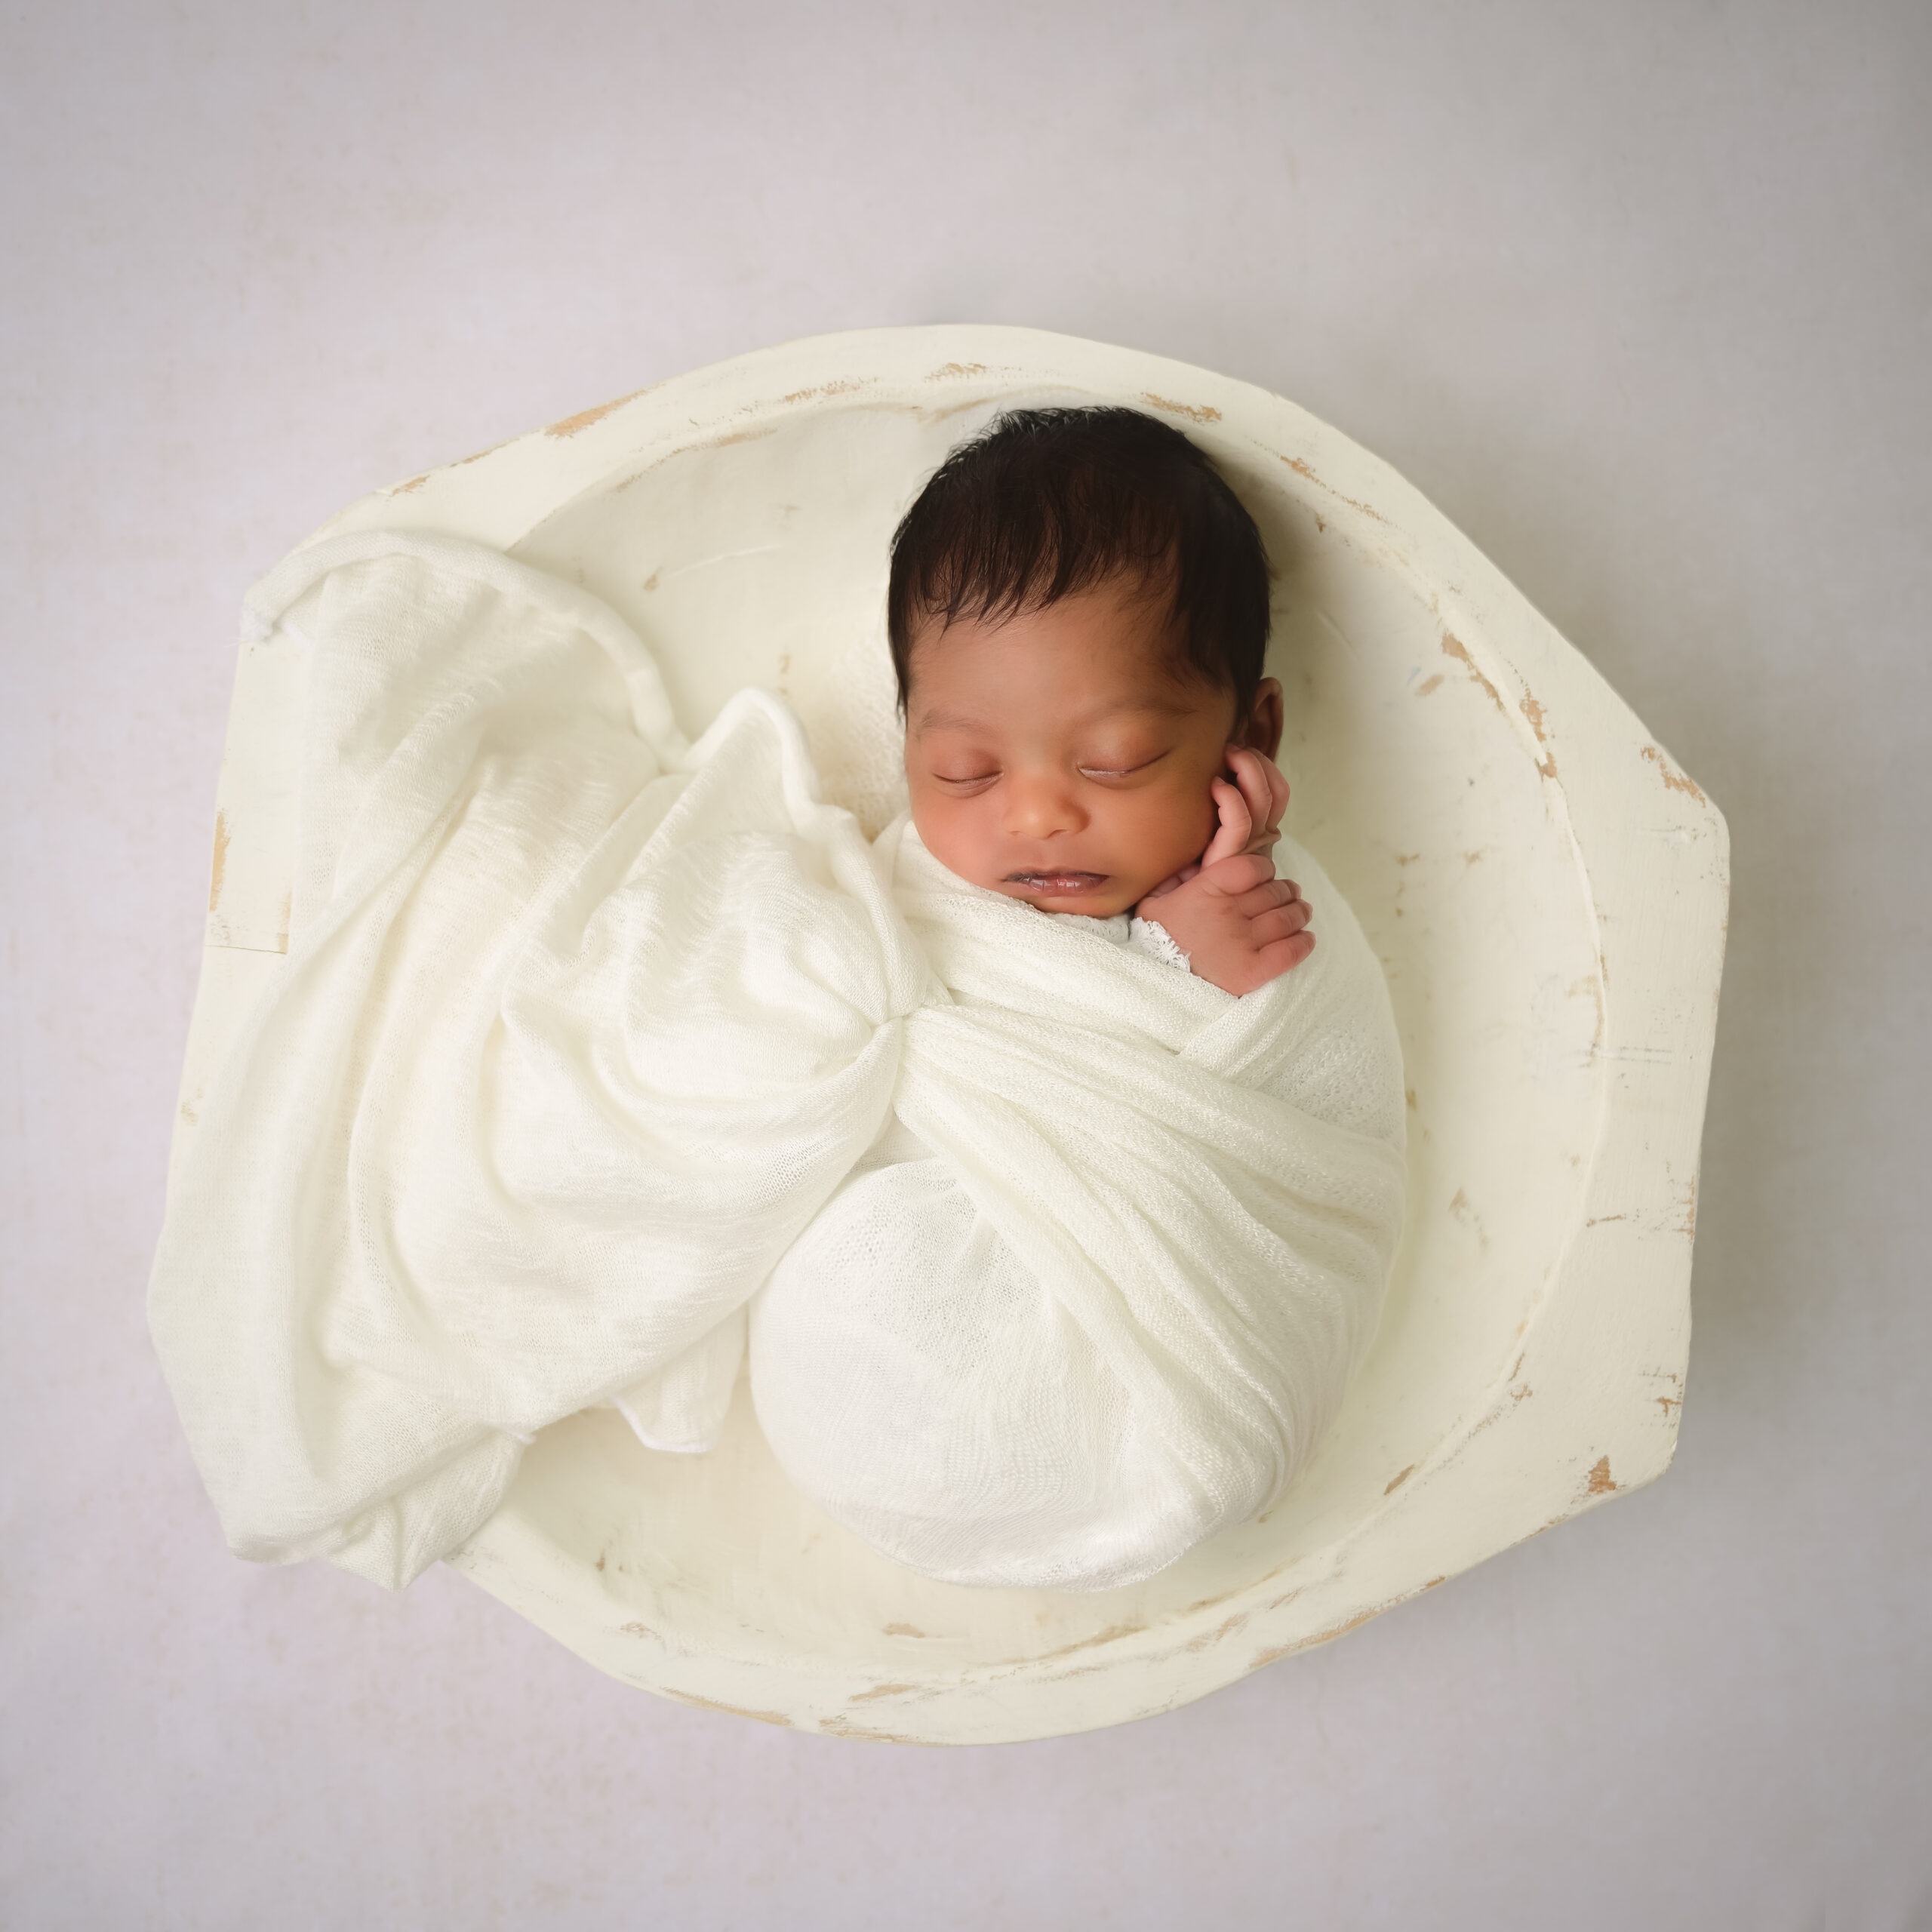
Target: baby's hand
{"type": "Point", "coordinates": [1251, 808]}
{"type": "Point", "coordinates": [1250, 812]}
{"type": "Point", "coordinates": [1240, 925]}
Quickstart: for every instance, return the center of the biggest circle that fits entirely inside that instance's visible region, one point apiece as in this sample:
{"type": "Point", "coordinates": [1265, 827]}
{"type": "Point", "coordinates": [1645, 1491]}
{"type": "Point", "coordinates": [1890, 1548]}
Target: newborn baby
{"type": "Point", "coordinates": [1078, 611]}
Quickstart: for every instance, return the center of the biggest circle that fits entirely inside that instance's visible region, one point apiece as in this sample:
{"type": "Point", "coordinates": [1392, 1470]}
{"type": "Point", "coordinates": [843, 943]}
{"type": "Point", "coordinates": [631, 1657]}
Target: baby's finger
{"type": "Point", "coordinates": [1278, 793]}
{"type": "Point", "coordinates": [1237, 824]}
{"type": "Point", "coordinates": [1249, 767]}
{"type": "Point", "coordinates": [1265, 897]}
{"type": "Point", "coordinates": [1237, 807]}
{"type": "Point", "coordinates": [1283, 955]}
{"type": "Point", "coordinates": [1279, 922]}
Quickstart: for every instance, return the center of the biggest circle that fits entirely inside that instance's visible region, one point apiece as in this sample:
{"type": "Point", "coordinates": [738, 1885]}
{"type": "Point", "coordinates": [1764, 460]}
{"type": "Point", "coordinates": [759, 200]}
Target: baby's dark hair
{"type": "Point", "coordinates": [1045, 503]}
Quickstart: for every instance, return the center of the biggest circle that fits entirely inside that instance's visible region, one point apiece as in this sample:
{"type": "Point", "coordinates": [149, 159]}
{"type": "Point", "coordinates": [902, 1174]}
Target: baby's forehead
{"type": "Point", "coordinates": [1097, 653]}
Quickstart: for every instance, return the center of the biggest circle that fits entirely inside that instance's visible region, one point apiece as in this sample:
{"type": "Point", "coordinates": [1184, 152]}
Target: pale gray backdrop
{"type": "Point", "coordinates": [1641, 295]}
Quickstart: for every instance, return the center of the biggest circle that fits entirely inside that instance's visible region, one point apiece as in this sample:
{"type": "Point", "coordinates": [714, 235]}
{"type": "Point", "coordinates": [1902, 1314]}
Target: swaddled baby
{"type": "Point", "coordinates": [1097, 1289]}
{"type": "Point", "coordinates": [1078, 612]}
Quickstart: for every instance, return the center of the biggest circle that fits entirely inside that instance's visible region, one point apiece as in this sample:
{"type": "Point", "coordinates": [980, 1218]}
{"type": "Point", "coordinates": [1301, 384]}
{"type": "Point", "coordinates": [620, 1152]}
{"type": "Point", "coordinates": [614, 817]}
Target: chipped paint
{"type": "Point", "coordinates": [946, 370]}
{"type": "Point", "coordinates": [1396, 1482]}
{"type": "Point", "coordinates": [1687, 1227]}
{"type": "Point", "coordinates": [1533, 711]}
{"type": "Point", "coordinates": [903, 1630]}
{"type": "Point", "coordinates": [1676, 781]}
{"type": "Point", "coordinates": [927, 413]}
{"type": "Point", "coordinates": [1112, 1634]}
{"type": "Point", "coordinates": [882, 1690]}
{"type": "Point", "coordinates": [1201, 412]}
{"type": "Point", "coordinates": [1432, 682]}
{"type": "Point", "coordinates": [1276, 1652]}
{"type": "Point", "coordinates": [859, 1733]}
{"type": "Point", "coordinates": [1207, 1638]}
{"type": "Point", "coordinates": [1302, 469]}
{"type": "Point", "coordinates": [844, 387]}
{"type": "Point", "coordinates": [1599, 1481]}
{"type": "Point", "coordinates": [571, 426]}
{"type": "Point", "coordinates": [1078, 1670]}
{"type": "Point", "coordinates": [1459, 1207]}
{"type": "Point", "coordinates": [1593, 985]}
{"type": "Point", "coordinates": [730, 1710]}
{"type": "Point", "coordinates": [1453, 647]}
{"type": "Point", "coordinates": [218, 870]}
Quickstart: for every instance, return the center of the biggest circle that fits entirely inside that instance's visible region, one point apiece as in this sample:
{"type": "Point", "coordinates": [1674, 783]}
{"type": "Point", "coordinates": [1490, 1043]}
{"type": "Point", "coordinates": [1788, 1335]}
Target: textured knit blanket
{"type": "Point", "coordinates": [596, 1055]}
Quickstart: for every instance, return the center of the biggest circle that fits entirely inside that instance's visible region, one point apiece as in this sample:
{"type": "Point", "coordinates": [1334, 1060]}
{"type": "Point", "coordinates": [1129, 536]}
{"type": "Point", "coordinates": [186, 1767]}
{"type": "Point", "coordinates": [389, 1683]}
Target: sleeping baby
{"type": "Point", "coordinates": [1078, 613]}
{"type": "Point", "coordinates": [1095, 1292]}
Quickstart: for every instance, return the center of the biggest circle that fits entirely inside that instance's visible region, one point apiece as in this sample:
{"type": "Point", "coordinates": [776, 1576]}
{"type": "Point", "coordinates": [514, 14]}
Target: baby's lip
{"type": "Point", "coordinates": [1058, 881]}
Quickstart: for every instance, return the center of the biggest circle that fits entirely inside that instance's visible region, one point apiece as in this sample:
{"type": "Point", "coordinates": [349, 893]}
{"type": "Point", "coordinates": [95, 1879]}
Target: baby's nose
{"type": "Point", "coordinates": [1039, 804]}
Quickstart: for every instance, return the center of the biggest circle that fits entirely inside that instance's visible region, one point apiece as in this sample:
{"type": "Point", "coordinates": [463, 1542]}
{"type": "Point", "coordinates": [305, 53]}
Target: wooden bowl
{"type": "Point", "coordinates": [1545, 886]}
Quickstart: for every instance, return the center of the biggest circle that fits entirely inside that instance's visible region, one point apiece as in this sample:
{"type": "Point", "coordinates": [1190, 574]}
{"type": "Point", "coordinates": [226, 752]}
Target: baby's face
{"type": "Point", "coordinates": [1058, 757]}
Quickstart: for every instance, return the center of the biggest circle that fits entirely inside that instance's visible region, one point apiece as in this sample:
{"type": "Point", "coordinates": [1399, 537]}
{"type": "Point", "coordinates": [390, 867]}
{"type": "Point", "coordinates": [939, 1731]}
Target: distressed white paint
{"type": "Point", "coordinates": [1546, 887]}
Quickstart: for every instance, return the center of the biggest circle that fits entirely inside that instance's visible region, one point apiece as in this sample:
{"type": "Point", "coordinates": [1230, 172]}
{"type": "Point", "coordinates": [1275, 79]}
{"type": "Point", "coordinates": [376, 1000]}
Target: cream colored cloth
{"type": "Point", "coordinates": [587, 1041]}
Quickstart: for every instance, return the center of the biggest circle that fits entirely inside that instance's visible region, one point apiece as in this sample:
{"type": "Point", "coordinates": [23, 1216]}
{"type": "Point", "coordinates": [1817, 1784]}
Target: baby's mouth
{"type": "Point", "coordinates": [1058, 884]}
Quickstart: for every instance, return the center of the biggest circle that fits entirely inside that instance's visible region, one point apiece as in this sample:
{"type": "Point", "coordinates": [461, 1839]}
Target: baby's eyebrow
{"type": "Point", "coordinates": [1140, 708]}
{"type": "Point", "coordinates": [958, 721]}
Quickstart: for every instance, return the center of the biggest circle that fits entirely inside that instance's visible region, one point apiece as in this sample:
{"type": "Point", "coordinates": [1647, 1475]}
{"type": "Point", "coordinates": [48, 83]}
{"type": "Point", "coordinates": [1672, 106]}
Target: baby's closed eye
{"type": "Point", "coordinates": [1121, 765]}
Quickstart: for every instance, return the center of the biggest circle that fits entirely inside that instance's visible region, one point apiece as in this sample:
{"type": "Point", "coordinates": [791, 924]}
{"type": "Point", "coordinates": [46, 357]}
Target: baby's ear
{"type": "Point", "coordinates": [1263, 732]}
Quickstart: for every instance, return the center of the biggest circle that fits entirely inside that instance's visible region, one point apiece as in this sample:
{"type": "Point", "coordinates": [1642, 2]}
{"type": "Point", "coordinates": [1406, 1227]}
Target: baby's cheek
{"type": "Point", "coordinates": [1196, 818]}
{"type": "Point", "coordinates": [948, 833]}
{"type": "Point", "coordinates": [1174, 831]}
